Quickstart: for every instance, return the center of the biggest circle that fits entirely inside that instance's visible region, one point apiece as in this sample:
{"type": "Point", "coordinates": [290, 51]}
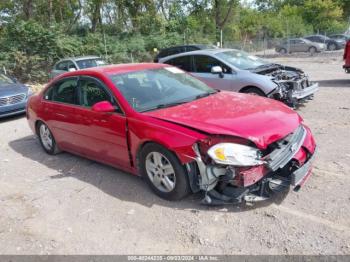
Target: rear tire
{"type": "Point", "coordinates": [46, 139]}
{"type": "Point", "coordinates": [332, 47]}
{"type": "Point", "coordinates": [164, 173]}
{"type": "Point", "coordinates": [253, 91]}
{"type": "Point", "coordinates": [283, 51]}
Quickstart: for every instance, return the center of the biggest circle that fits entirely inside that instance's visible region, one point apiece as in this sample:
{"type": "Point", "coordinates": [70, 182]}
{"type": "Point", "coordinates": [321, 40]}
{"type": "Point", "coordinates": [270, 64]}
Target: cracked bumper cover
{"type": "Point", "coordinates": [308, 91]}
{"type": "Point", "coordinates": [302, 149]}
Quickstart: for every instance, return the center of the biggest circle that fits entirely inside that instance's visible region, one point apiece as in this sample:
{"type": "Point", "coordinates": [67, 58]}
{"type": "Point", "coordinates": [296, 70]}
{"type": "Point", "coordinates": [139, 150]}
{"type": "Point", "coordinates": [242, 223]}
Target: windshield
{"type": "Point", "coordinates": [5, 80]}
{"type": "Point", "coordinates": [87, 63]}
{"type": "Point", "coordinates": [158, 88]}
{"type": "Point", "coordinates": [241, 60]}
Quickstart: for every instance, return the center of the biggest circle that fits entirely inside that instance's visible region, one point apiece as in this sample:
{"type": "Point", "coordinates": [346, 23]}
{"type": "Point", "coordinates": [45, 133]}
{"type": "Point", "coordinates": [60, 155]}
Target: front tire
{"type": "Point", "coordinates": [283, 51]}
{"type": "Point", "coordinates": [164, 173]}
{"type": "Point", "coordinates": [47, 140]}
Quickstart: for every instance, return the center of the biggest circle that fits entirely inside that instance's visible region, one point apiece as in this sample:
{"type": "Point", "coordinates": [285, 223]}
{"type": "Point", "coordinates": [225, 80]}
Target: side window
{"type": "Point", "coordinates": [203, 64]}
{"type": "Point", "coordinates": [91, 92]}
{"type": "Point", "coordinates": [70, 64]}
{"type": "Point", "coordinates": [63, 66]}
{"type": "Point", "coordinates": [182, 62]}
{"type": "Point", "coordinates": [65, 91]}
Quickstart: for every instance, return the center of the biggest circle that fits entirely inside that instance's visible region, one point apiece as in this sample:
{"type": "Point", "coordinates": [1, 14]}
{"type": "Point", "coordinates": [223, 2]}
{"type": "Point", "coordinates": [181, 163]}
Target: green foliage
{"type": "Point", "coordinates": [324, 15]}
{"type": "Point", "coordinates": [36, 33]}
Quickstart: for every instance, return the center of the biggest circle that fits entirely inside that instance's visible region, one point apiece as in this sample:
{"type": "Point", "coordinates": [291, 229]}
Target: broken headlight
{"type": "Point", "coordinates": [235, 155]}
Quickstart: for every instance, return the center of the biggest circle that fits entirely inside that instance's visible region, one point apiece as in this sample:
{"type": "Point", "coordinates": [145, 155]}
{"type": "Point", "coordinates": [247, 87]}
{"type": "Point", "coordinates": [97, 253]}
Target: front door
{"type": "Point", "coordinates": [202, 70]}
{"type": "Point", "coordinates": [102, 135]}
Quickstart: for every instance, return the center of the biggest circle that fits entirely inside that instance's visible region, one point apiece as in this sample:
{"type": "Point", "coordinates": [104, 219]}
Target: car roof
{"type": "Point", "coordinates": [199, 52]}
{"type": "Point", "coordinates": [79, 58]}
{"type": "Point", "coordinates": [116, 69]}
{"type": "Point", "coordinates": [189, 45]}
{"type": "Point", "coordinates": [316, 36]}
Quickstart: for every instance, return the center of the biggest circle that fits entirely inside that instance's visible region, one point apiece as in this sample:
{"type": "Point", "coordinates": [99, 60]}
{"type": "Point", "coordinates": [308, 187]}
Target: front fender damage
{"type": "Point", "coordinates": [294, 86]}
{"type": "Point", "coordinates": [288, 164]}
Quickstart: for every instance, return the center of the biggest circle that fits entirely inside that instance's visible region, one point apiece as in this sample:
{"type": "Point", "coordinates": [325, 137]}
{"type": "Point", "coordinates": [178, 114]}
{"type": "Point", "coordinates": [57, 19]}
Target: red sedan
{"type": "Point", "coordinates": [158, 122]}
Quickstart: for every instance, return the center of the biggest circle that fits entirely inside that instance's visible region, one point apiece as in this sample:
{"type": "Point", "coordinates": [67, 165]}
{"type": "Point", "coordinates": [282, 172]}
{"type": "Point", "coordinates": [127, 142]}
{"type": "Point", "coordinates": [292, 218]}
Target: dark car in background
{"type": "Point", "coordinates": [76, 63]}
{"type": "Point", "coordinates": [13, 96]}
{"type": "Point", "coordinates": [296, 45]}
{"type": "Point", "coordinates": [340, 37]}
{"type": "Point", "coordinates": [180, 49]}
{"type": "Point", "coordinates": [331, 44]}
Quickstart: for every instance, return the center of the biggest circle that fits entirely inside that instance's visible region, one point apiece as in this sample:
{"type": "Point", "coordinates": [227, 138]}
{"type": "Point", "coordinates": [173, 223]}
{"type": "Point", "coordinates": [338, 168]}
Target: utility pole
{"type": "Point", "coordinates": [221, 38]}
{"type": "Point", "coordinates": [105, 44]}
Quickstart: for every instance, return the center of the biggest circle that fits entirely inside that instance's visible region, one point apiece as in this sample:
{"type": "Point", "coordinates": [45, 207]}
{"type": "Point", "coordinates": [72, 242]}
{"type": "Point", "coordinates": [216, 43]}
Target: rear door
{"type": "Point", "coordinates": [102, 136]}
{"type": "Point", "coordinates": [60, 102]}
{"type": "Point", "coordinates": [299, 45]}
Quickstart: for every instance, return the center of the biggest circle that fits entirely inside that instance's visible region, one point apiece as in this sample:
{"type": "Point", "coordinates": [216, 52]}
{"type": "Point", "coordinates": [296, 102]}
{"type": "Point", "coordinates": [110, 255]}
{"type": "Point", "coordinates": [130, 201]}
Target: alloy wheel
{"type": "Point", "coordinates": [160, 172]}
{"type": "Point", "coordinates": [332, 47]}
{"type": "Point", "coordinates": [45, 136]}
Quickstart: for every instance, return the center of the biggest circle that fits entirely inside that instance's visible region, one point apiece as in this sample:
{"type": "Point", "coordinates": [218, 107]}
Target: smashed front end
{"type": "Point", "coordinates": [294, 86]}
{"type": "Point", "coordinates": [229, 171]}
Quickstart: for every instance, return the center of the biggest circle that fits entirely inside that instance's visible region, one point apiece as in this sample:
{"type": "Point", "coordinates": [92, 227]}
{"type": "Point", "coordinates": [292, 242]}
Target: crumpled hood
{"type": "Point", "coordinates": [260, 120]}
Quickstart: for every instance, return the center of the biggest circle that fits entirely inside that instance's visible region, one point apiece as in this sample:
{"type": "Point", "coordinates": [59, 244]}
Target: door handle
{"type": "Point", "coordinates": [61, 115]}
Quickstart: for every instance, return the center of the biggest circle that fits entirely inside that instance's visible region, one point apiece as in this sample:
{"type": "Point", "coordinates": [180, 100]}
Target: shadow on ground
{"type": "Point", "coordinates": [11, 118]}
{"type": "Point", "coordinates": [335, 83]}
{"type": "Point", "coordinates": [114, 182]}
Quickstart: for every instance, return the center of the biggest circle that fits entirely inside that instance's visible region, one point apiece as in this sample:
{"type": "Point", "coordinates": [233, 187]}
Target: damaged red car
{"type": "Point", "coordinates": [161, 123]}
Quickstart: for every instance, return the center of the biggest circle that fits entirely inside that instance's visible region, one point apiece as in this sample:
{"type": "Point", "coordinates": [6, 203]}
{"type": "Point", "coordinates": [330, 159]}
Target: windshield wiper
{"type": "Point", "coordinates": [165, 105]}
{"type": "Point", "coordinates": [204, 95]}
{"type": "Point", "coordinates": [178, 102]}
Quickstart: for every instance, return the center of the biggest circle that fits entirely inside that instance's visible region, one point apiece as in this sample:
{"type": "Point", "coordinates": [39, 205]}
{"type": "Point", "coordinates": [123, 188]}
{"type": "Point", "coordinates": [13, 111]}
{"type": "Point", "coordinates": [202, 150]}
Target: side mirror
{"type": "Point", "coordinates": [103, 107]}
{"type": "Point", "coordinates": [71, 69]}
{"type": "Point", "coordinates": [217, 70]}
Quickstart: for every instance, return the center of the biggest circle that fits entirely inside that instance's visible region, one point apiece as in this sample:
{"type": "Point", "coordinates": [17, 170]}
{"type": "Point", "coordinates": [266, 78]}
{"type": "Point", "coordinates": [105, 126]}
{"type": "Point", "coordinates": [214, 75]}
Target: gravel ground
{"type": "Point", "coordinates": [69, 205]}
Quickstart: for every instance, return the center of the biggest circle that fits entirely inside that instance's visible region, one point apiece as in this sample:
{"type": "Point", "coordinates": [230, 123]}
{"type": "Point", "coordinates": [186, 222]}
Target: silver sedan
{"type": "Point", "coordinates": [235, 70]}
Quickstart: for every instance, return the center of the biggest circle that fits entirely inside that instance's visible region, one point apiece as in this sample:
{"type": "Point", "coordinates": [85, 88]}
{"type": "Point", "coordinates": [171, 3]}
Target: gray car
{"type": "Point", "coordinates": [13, 96]}
{"type": "Point", "coordinates": [296, 45]}
{"type": "Point", "coordinates": [76, 63]}
{"type": "Point", "coordinates": [234, 70]}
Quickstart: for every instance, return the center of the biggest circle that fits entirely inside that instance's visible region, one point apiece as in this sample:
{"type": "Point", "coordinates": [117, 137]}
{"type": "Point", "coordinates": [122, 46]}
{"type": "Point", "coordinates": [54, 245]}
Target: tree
{"type": "Point", "coordinates": [223, 10]}
{"type": "Point", "coordinates": [324, 15]}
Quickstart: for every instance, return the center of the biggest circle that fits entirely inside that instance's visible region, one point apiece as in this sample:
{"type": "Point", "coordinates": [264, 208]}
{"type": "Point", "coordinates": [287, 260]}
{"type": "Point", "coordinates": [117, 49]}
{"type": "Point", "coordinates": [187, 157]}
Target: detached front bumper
{"type": "Point", "coordinates": [305, 92]}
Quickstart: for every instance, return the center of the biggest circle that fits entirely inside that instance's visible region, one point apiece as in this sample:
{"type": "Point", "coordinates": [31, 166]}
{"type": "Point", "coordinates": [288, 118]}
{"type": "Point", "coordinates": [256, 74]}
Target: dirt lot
{"type": "Point", "coordinates": [69, 205]}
